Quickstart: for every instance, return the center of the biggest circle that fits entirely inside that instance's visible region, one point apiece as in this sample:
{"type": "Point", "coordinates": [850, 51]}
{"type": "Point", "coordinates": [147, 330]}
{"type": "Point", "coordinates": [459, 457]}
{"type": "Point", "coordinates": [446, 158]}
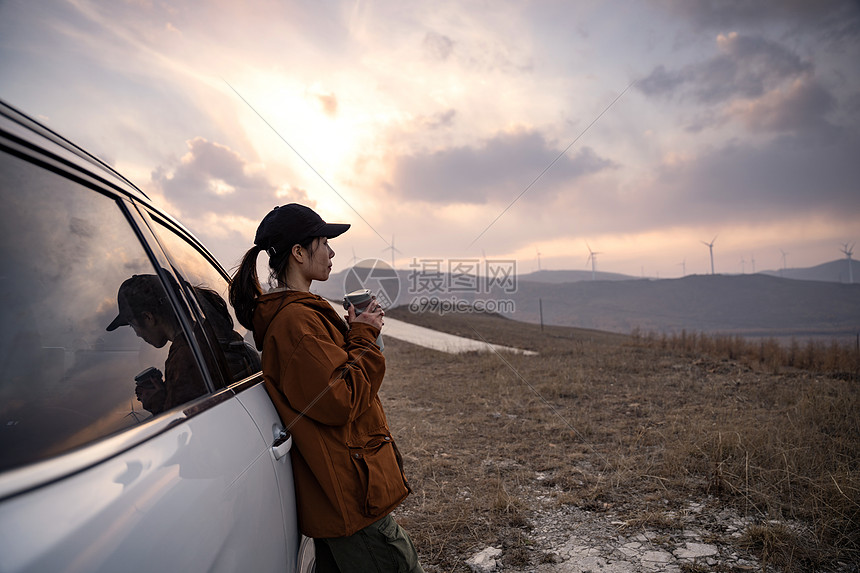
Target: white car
{"type": "Point", "coordinates": [132, 437]}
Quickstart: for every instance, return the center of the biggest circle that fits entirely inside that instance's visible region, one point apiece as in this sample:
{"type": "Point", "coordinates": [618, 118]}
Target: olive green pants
{"type": "Point", "coordinates": [381, 547]}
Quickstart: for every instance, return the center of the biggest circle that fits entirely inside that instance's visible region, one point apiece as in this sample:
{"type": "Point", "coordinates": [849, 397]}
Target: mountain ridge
{"type": "Point", "coordinates": [754, 305]}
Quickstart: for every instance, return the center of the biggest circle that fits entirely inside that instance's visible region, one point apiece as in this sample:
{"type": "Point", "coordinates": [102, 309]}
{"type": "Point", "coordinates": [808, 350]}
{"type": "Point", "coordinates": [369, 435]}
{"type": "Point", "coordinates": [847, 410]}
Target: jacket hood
{"type": "Point", "coordinates": [269, 305]}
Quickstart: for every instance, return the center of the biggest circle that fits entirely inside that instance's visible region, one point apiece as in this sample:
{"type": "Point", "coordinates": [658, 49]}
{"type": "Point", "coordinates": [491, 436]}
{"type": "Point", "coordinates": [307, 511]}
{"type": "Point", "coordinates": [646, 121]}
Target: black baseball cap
{"type": "Point", "coordinates": [136, 294]}
{"type": "Point", "coordinates": [291, 224]}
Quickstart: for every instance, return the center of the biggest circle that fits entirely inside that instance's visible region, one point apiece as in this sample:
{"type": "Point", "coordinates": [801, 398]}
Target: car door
{"type": "Point", "coordinates": [207, 284]}
{"type": "Point", "coordinates": [92, 478]}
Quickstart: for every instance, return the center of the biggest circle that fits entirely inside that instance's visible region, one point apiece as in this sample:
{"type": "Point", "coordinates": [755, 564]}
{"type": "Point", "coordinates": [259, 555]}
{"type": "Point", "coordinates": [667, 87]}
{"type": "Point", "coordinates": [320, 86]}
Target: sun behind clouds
{"type": "Point", "coordinates": [304, 126]}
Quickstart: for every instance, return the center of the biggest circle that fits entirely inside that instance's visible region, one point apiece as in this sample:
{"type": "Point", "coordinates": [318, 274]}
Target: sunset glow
{"type": "Point", "coordinates": [498, 130]}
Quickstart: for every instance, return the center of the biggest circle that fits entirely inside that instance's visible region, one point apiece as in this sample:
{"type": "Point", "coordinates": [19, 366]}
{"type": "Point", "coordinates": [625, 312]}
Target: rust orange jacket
{"type": "Point", "coordinates": [323, 378]}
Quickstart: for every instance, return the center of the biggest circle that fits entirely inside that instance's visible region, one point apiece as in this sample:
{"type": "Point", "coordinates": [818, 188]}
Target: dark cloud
{"type": "Point", "coordinates": [753, 80]}
{"type": "Point", "coordinates": [212, 178]}
{"type": "Point", "coordinates": [438, 46]}
{"type": "Point", "coordinates": [746, 183]}
{"type": "Point", "coordinates": [833, 20]}
{"type": "Point", "coordinates": [498, 170]}
{"type": "Point", "coordinates": [747, 67]}
{"type": "Point", "coordinates": [661, 82]}
{"type": "Point", "coordinates": [851, 106]}
{"type": "Point", "coordinates": [800, 107]}
{"type": "Point", "coordinates": [704, 119]}
{"type": "Point", "coordinates": [439, 120]}
{"type": "Point", "coordinates": [735, 185]}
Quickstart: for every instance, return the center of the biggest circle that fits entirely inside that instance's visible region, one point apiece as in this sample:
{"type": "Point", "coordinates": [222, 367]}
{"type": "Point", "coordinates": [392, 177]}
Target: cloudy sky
{"type": "Point", "coordinates": [498, 130]}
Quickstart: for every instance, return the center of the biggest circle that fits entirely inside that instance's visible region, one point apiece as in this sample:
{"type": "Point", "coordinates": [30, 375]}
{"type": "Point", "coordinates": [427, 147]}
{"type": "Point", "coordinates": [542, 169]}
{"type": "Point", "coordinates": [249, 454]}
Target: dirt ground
{"type": "Point", "coordinates": [603, 454]}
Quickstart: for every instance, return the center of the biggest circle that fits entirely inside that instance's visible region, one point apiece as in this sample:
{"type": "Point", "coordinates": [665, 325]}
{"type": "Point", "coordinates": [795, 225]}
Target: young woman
{"type": "Point", "coordinates": [323, 375]}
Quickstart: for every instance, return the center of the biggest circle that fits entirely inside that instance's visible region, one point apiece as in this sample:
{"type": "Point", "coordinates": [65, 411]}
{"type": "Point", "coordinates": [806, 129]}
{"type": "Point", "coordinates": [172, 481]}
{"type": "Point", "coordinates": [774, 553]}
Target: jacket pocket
{"type": "Point", "coordinates": [379, 474]}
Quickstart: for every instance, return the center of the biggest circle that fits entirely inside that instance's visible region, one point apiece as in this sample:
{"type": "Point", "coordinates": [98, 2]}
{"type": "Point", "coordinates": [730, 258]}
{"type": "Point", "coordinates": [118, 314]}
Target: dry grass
{"type": "Point", "coordinates": [837, 359]}
{"type": "Point", "coordinates": [608, 422]}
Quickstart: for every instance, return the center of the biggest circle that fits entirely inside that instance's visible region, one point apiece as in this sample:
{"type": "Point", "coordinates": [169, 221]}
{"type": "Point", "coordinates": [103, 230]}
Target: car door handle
{"type": "Point", "coordinates": [282, 444]}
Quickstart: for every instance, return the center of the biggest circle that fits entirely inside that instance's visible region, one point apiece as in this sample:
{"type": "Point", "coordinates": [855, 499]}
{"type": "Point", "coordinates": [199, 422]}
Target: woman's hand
{"type": "Point", "coordinates": [373, 315]}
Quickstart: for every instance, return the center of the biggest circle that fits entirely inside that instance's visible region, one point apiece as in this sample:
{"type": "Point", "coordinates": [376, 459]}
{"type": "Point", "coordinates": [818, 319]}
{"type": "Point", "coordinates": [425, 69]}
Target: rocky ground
{"type": "Point", "coordinates": [701, 536]}
{"type": "Point", "coordinates": [571, 540]}
{"type": "Point", "coordinates": [602, 453]}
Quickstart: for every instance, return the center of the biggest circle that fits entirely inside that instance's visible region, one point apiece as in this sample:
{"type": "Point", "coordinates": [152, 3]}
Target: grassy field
{"type": "Point", "coordinates": [628, 424]}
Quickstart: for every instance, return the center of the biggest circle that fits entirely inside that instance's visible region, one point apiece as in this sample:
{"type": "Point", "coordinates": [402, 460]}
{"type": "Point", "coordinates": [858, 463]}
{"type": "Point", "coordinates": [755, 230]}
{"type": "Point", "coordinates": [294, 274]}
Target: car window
{"type": "Point", "coordinates": [231, 342]}
{"type": "Point", "coordinates": [80, 359]}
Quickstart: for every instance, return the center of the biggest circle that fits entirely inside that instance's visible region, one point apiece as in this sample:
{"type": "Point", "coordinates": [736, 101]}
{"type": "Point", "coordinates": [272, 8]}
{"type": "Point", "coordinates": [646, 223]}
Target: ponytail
{"type": "Point", "coordinates": [245, 288]}
{"type": "Point", "coordinates": [245, 285]}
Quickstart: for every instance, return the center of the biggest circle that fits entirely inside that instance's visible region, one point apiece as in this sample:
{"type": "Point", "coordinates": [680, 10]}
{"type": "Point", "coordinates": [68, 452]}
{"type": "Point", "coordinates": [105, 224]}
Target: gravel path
{"type": "Point", "coordinates": [571, 540]}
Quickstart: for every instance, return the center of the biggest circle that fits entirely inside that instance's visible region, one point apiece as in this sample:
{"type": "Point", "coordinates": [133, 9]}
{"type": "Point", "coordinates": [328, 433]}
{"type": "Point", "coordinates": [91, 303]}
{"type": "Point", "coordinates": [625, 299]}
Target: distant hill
{"type": "Point", "coordinates": [835, 271]}
{"type": "Point", "coordinates": [555, 277]}
{"type": "Point", "coordinates": [752, 305]}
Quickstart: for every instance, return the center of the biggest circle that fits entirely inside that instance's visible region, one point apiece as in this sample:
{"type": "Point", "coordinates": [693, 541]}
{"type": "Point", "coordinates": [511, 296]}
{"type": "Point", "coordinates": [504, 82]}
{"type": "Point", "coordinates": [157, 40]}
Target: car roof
{"type": "Point", "coordinates": [29, 133]}
{"type": "Point", "coordinates": [25, 137]}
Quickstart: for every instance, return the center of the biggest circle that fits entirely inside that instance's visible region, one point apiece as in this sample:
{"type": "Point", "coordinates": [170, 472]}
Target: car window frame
{"type": "Point", "coordinates": [153, 217]}
{"type": "Point", "coordinates": [52, 156]}
{"type": "Point", "coordinates": [162, 262]}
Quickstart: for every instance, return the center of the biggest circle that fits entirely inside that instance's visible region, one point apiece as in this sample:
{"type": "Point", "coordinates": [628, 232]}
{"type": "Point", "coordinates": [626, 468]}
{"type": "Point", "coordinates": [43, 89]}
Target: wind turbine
{"type": "Point", "coordinates": [683, 267]}
{"type": "Point", "coordinates": [393, 250]}
{"type": "Point", "coordinates": [485, 270]}
{"type": "Point", "coordinates": [848, 252]}
{"type": "Point", "coordinates": [752, 260]}
{"type": "Point", "coordinates": [538, 258]}
{"type": "Point", "coordinates": [592, 257]}
{"type": "Point", "coordinates": [711, 249]}
{"type": "Point", "coordinates": [784, 254]}
{"type": "Point", "coordinates": [743, 266]}
{"type": "Point", "coordinates": [354, 258]}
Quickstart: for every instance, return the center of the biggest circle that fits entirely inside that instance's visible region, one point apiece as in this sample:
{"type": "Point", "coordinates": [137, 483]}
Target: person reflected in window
{"type": "Point", "coordinates": [241, 359]}
{"type": "Point", "coordinates": [144, 306]}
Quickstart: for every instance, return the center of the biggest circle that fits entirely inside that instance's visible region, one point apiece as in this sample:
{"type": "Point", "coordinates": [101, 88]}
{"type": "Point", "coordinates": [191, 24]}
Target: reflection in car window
{"type": "Point", "coordinates": [144, 306]}
{"type": "Point", "coordinates": [209, 288]}
{"type": "Point", "coordinates": [66, 380]}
